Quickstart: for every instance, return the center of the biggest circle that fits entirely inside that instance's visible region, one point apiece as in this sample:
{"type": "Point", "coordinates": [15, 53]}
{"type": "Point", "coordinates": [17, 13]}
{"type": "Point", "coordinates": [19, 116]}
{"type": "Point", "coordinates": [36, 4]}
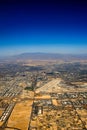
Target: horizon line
{"type": "Point", "coordinates": [12, 55]}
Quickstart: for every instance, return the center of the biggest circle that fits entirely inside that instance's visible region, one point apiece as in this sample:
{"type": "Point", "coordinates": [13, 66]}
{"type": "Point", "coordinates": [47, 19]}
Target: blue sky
{"type": "Point", "coordinates": [43, 26]}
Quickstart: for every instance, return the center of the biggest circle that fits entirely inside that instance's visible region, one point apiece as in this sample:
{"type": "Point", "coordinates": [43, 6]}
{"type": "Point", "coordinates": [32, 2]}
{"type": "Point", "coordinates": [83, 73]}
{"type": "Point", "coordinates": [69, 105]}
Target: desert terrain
{"type": "Point", "coordinates": [49, 96]}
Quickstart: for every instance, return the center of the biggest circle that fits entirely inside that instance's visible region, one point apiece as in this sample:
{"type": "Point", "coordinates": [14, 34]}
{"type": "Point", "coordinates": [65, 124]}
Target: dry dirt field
{"type": "Point", "coordinates": [20, 116]}
{"type": "Point", "coordinates": [40, 62]}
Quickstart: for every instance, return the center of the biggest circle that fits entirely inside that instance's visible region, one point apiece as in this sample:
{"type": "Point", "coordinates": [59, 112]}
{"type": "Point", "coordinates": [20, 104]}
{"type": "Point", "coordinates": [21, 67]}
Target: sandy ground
{"type": "Point", "coordinates": [1, 111]}
{"type": "Point", "coordinates": [27, 94]}
{"type": "Point", "coordinates": [54, 102]}
{"type": "Point", "coordinates": [83, 116]}
{"type": "Point", "coordinates": [43, 97]}
{"type": "Point", "coordinates": [80, 83]}
{"type": "Point", "coordinates": [20, 116]}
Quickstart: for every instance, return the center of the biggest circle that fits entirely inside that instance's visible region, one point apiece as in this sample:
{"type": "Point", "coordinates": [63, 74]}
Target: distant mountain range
{"type": "Point", "coordinates": [47, 56]}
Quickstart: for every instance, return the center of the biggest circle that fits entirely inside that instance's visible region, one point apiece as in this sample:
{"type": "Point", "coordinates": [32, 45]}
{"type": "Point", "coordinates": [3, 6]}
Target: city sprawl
{"type": "Point", "coordinates": [43, 96]}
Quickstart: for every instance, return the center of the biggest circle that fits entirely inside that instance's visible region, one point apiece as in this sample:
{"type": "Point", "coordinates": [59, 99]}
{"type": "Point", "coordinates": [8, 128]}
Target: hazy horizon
{"type": "Point", "coordinates": [47, 26]}
{"type": "Point", "coordinates": [41, 54]}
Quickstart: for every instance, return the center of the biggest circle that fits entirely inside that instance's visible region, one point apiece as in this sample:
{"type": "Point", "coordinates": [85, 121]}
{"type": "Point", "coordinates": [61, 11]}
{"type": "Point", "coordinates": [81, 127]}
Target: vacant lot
{"type": "Point", "coordinates": [20, 116]}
